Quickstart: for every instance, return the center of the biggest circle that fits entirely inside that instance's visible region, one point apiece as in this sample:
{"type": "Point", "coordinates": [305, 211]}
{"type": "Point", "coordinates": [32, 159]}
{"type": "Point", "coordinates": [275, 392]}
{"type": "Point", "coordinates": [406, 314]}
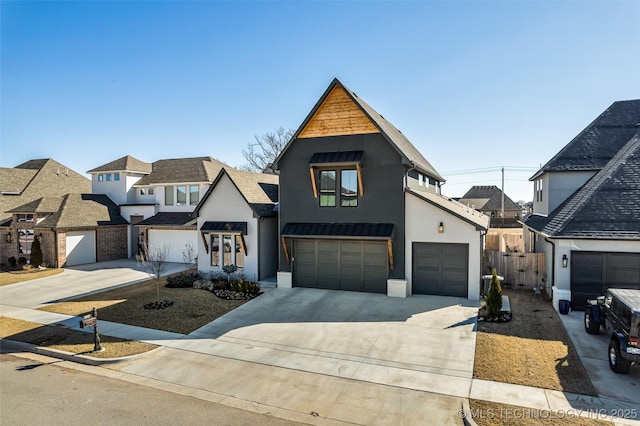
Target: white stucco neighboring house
{"type": "Point", "coordinates": [237, 222]}
{"type": "Point", "coordinates": [586, 210]}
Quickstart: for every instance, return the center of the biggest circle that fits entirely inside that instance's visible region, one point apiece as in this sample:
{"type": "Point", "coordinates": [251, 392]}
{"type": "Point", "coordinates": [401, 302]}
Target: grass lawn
{"type": "Point", "coordinates": [191, 308]}
{"type": "Point", "coordinates": [533, 349]}
{"type": "Point", "coordinates": [63, 339]}
{"type": "Point", "coordinates": [31, 274]}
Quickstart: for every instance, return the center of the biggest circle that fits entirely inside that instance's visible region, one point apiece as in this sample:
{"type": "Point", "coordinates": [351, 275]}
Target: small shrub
{"type": "Point", "coordinates": [182, 280]}
{"type": "Point", "coordinates": [12, 262]}
{"type": "Point", "coordinates": [22, 261]}
{"type": "Point", "coordinates": [36, 252]}
{"type": "Point", "coordinates": [494, 298]}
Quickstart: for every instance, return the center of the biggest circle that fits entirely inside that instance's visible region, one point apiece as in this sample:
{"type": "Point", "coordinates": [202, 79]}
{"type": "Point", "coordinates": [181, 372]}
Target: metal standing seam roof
{"type": "Point", "coordinates": [381, 231]}
{"type": "Point", "coordinates": [210, 226]}
{"type": "Point", "coordinates": [397, 139]}
{"type": "Point", "coordinates": [338, 157]}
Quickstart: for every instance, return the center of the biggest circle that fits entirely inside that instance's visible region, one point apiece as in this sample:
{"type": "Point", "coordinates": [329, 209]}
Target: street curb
{"type": "Point", "coordinates": [68, 356]}
{"type": "Point", "coordinates": [465, 413]}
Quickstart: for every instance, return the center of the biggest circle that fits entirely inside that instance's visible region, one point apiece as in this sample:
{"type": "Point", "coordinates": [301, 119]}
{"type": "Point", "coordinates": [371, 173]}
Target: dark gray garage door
{"type": "Point", "coordinates": [340, 265]}
{"type": "Point", "coordinates": [594, 272]}
{"type": "Point", "coordinates": [441, 269]}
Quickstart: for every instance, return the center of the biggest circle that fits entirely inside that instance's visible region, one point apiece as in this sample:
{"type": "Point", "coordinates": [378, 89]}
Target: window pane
{"type": "Point", "coordinates": [239, 252]}
{"type": "Point", "coordinates": [168, 195]}
{"type": "Point", "coordinates": [215, 250]}
{"type": "Point", "coordinates": [100, 178]}
{"type": "Point", "coordinates": [226, 241]}
{"type": "Point", "coordinates": [116, 176]}
{"type": "Point", "coordinates": [327, 188]}
{"type": "Point", "coordinates": [150, 191]}
{"type": "Point", "coordinates": [194, 195]}
{"type": "Point", "coordinates": [181, 195]}
{"type": "Point", "coordinates": [348, 188]}
{"type": "Point", "coordinates": [108, 176]}
{"type": "Point", "coordinates": [25, 239]}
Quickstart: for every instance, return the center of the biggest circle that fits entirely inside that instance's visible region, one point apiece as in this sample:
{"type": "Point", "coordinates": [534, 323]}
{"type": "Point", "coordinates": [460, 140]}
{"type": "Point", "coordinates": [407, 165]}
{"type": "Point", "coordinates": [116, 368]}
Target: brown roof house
{"type": "Point", "coordinates": [237, 220]}
{"type": "Point", "coordinates": [157, 199]}
{"type": "Point", "coordinates": [46, 200]}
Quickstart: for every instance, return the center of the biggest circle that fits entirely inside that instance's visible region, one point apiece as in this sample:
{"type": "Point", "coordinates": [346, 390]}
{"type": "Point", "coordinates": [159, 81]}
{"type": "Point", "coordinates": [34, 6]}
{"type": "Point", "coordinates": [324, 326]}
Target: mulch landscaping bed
{"type": "Point", "coordinates": [190, 310]}
{"type": "Point", "coordinates": [532, 349]}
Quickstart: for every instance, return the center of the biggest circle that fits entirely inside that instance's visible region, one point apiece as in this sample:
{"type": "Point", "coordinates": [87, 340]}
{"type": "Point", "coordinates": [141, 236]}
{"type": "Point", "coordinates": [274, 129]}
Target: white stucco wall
{"type": "Point", "coordinates": [116, 190]}
{"type": "Point", "coordinates": [226, 204]}
{"type": "Point", "coordinates": [421, 225]}
{"type": "Point", "coordinates": [175, 240]}
{"type": "Point", "coordinates": [557, 187]}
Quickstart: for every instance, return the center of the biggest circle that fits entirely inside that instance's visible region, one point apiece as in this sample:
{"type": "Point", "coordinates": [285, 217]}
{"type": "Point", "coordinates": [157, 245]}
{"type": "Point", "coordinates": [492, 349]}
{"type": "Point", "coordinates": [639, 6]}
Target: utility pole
{"type": "Point", "coordinates": [502, 206]}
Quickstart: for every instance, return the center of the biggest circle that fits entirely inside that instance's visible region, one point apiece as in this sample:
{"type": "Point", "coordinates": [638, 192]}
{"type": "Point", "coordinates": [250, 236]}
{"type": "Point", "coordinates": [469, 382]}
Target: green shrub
{"type": "Point", "coordinates": [182, 280]}
{"type": "Point", "coordinates": [12, 262]}
{"type": "Point", "coordinates": [22, 261]}
{"type": "Point", "coordinates": [36, 253]}
{"type": "Point", "coordinates": [494, 298]}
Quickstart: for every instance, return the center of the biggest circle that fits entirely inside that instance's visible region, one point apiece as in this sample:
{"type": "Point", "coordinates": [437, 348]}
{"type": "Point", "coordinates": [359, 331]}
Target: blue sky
{"type": "Point", "coordinates": [474, 85]}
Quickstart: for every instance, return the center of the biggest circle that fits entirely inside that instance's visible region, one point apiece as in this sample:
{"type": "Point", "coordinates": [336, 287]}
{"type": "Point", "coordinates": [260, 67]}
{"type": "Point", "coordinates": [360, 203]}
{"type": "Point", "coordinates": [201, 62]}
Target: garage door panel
{"type": "Point", "coordinates": [343, 265]}
{"type": "Point", "coordinates": [592, 273]}
{"type": "Point", "coordinates": [440, 269]}
{"type": "Point", "coordinates": [80, 247]}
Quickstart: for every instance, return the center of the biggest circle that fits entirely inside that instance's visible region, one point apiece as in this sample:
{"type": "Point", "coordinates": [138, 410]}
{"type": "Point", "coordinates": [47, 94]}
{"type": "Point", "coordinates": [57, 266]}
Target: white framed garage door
{"type": "Point", "coordinates": [174, 240]}
{"type": "Point", "coordinates": [350, 265]}
{"type": "Point", "coordinates": [440, 269]}
{"type": "Point", "coordinates": [81, 247]}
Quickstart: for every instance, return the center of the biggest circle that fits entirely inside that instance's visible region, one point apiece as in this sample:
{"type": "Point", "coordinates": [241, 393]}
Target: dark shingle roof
{"type": "Point", "coordinates": [178, 170]}
{"type": "Point", "coordinates": [36, 179]}
{"type": "Point", "coordinates": [41, 205]}
{"type": "Point", "coordinates": [599, 141]}
{"type": "Point", "coordinates": [170, 219]}
{"type": "Point", "coordinates": [408, 152]}
{"type": "Point", "coordinates": [259, 190]}
{"type": "Point", "coordinates": [84, 210]}
{"type": "Point", "coordinates": [356, 230]}
{"type": "Point", "coordinates": [606, 207]}
{"type": "Point", "coordinates": [487, 197]}
{"type": "Point", "coordinates": [126, 163]}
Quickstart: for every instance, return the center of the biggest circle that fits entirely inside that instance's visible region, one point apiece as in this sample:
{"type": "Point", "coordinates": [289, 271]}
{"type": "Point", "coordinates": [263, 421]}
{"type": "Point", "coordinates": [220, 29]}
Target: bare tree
{"type": "Point", "coordinates": [261, 154]}
{"type": "Point", "coordinates": [154, 260]}
{"type": "Point", "coordinates": [189, 256]}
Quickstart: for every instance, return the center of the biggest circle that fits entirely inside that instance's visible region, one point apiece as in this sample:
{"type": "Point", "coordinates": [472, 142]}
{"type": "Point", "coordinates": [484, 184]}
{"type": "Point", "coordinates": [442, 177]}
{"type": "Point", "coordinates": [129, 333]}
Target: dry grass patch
{"type": "Point", "coordinates": [191, 308]}
{"type": "Point", "coordinates": [533, 349]}
{"type": "Point", "coordinates": [494, 414]}
{"type": "Point", "coordinates": [64, 339]}
{"type": "Point", "coordinates": [26, 275]}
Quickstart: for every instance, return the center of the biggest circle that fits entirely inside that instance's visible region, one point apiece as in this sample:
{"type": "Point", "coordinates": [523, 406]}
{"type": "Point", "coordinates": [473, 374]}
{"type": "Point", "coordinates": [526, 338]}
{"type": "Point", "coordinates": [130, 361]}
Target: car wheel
{"type": "Point", "coordinates": [616, 362]}
{"type": "Point", "coordinates": [590, 325]}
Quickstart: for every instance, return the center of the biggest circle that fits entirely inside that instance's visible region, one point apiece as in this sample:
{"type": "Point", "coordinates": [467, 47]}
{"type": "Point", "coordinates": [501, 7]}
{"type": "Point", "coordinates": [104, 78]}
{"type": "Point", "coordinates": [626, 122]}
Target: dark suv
{"type": "Point", "coordinates": [618, 312]}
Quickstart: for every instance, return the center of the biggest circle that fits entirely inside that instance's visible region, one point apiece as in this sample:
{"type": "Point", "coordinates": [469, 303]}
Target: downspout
{"type": "Point", "coordinates": [258, 257]}
{"type": "Point", "coordinates": [406, 176]}
{"type": "Point", "coordinates": [553, 262]}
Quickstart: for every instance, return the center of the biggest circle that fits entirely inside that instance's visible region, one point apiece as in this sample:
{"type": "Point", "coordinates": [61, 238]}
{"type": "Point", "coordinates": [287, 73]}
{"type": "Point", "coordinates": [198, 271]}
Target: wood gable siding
{"type": "Point", "coordinates": [338, 115]}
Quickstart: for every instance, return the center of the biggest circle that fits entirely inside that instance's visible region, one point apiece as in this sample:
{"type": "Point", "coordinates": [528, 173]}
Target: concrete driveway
{"type": "Point", "coordinates": [77, 281]}
{"type": "Point", "coordinates": [593, 352]}
{"type": "Point", "coordinates": [349, 357]}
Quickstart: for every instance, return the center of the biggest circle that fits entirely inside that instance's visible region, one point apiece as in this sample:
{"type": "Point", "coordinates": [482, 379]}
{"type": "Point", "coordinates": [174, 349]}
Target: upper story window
{"type": "Point", "coordinates": [327, 188]}
{"type": "Point", "coordinates": [100, 177]}
{"type": "Point", "coordinates": [108, 176]}
{"type": "Point", "coordinates": [348, 188]}
{"type": "Point", "coordinates": [181, 195]}
{"type": "Point", "coordinates": [194, 195]}
{"type": "Point", "coordinates": [420, 179]}
{"type": "Point", "coordinates": [168, 195]}
{"type": "Point", "coordinates": [25, 218]}
{"type": "Point", "coordinates": [116, 176]}
{"type": "Point", "coordinates": [538, 188]}
{"type": "Point", "coordinates": [150, 191]}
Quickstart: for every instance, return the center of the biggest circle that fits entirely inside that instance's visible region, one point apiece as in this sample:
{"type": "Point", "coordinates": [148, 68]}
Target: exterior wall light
{"type": "Point", "coordinates": [441, 228]}
{"type": "Point", "coordinates": [8, 237]}
{"type": "Point", "coordinates": [565, 261]}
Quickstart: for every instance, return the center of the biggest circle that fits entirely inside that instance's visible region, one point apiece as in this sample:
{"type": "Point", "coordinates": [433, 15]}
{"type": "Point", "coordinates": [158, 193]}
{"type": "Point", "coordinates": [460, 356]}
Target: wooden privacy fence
{"type": "Point", "coordinates": [520, 270]}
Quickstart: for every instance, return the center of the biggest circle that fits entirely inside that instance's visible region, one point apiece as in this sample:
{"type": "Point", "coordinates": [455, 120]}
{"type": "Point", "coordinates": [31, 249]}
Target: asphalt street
{"type": "Point", "coordinates": [33, 392]}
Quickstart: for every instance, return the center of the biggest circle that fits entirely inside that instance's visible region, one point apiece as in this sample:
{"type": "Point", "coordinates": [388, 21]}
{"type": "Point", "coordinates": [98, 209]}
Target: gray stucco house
{"type": "Point", "coordinates": [586, 209]}
{"type": "Point", "coordinates": [361, 210]}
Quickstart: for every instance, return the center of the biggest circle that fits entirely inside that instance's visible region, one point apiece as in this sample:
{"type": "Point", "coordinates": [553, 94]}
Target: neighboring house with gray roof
{"type": "Point", "coordinates": [157, 198]}
{"type": "Point", "coordinates": [47, 200]}
{"type": "Point", "coordinates": [488, 200]}
{"type": "Point", "coordinates": [586, 211]}
{"type": "Point", "coordinates": [360, 209]}
{"type": "Point", "coordinates": [238, 224]}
